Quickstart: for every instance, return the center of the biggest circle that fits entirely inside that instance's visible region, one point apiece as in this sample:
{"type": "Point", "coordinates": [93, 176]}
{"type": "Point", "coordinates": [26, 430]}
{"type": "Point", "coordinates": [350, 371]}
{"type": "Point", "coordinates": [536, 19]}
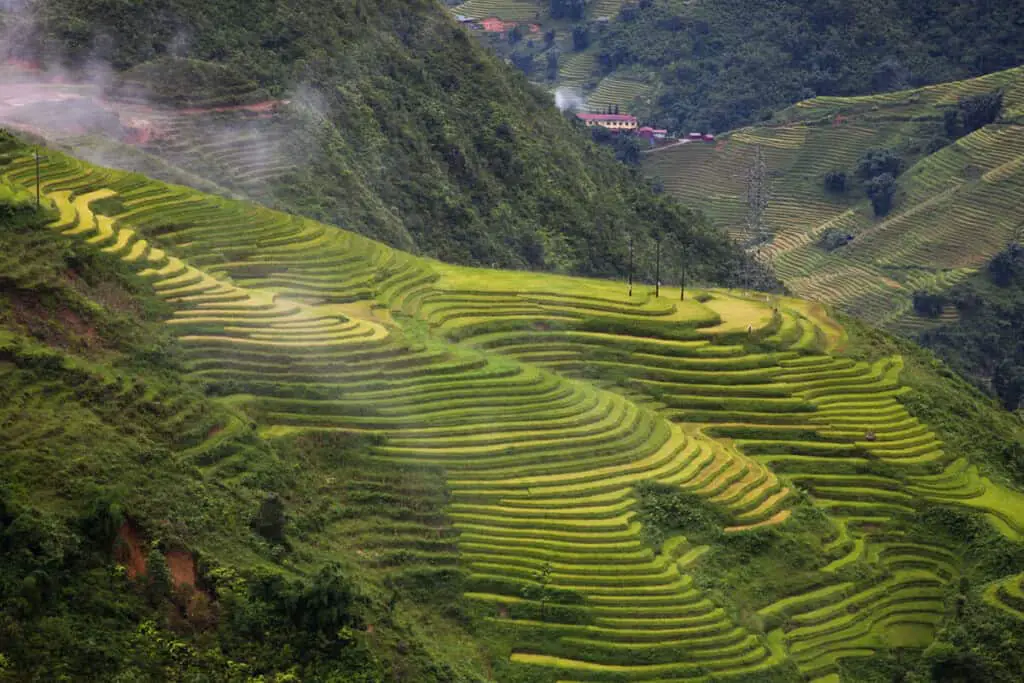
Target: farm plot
{"type": "Point", "coordinates": [544, 402]}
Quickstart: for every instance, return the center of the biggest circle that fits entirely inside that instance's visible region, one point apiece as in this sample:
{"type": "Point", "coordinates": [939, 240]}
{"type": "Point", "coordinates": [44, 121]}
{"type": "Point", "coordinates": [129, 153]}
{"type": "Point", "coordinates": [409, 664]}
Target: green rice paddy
{"type": "Point", "coordinates": [547, 400]}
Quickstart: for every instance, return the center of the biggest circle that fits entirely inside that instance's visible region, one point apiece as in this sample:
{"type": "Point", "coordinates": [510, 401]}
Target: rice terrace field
{"type": "Point", "coordinates": [954, 210]}
{"type": "Point", "coordinates": [561, 411]}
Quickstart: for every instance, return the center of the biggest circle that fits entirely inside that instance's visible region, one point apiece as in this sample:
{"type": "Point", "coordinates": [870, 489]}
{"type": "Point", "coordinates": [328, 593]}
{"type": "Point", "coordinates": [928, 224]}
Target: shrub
{"type": "Point", "coordinates": [580, 38]}
{"type": "Point", "coordinates": [833, 238]}
{"type": "Point", "coordinates": [881, 190]}
{"type": "Point", "coordinates": [878, 162]}
{"type": "Point", "coordinates": [928, 304]}
{"type": "Point", "coordinates": [666, 511]}
{"type": "Point", "coordinates": [972, 112]}
{"type": "Point", "coordinates": [1006, 265]}
{"type": "Point", "coordinates": [835, 182]}
{"type": "Point", "coordinates": [270, 520]}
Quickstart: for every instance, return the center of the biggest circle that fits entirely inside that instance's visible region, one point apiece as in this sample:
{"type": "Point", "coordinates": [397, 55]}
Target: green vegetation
{"type": "Point", "coordinates": [110, 451]}
{"type": "Point", "coordinates": [400, 127]}
{"type": "Point", "coordinates": [981, 342]}
{"type": "Point", "coordinates": [720, 64]}
{"type": "Point", "coordinates": [357, 457]}
{"type": "Point", "coordinates": [937, 208]}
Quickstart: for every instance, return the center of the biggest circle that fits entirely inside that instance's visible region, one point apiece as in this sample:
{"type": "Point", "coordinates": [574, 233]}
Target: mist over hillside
{"type": "Point", "coordinates": [388, 119]}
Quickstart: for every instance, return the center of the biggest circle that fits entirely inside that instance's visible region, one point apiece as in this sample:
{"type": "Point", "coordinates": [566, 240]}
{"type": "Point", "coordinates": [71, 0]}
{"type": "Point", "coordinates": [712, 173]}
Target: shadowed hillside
{"type": "Point", "coordinates": [623, 488]}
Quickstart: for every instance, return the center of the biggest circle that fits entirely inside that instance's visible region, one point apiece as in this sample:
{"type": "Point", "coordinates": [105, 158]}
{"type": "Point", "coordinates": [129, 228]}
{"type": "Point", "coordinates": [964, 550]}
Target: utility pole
{"type": "Point", "coordinates": [657, 267]}
{"type": "Point", "coordinates": [37, 180]}
{"type": "Point", "coordinates": [757, 203]}
{"type": "Point", "coordinates": [631, 263]}
{"type": "Point", "coordinates": [682, 273]}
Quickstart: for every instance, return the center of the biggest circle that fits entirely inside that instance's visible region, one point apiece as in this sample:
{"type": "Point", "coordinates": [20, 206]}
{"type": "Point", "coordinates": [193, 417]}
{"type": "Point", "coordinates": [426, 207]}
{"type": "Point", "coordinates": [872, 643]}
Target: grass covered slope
{"type": "Point", "coordinates": [954, 209]}
{"type": "Point", "coordinates": [639, 489]}
{"type": "Point", "coordinates": [137, 515]}
{"type": "Point", "coordinates": [402, 127]}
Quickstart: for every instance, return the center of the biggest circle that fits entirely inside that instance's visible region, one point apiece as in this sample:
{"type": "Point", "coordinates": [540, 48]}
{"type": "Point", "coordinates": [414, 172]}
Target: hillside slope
{"type": "Point", "coordinates": [720, 64]}
{"type": "Point", "coordinates": [641, 489]}
{"type": "Point", "coordinates": [399, 127]}
{"type": "Point", "coordinates": [955, 208]}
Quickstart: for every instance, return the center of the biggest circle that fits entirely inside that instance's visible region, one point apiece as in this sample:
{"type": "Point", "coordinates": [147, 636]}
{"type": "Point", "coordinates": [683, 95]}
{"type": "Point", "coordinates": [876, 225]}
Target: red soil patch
{"type": "Point", "coordinates": [183, 568]}
{"type": "Point", "coordinates": [214, 431]}
{"type": "Point", "coordinates": [81, 328]}
{"type": "Point", "coordinates": [63, 328]}
{"type": "Point", "coordinates": [128, 550]}
{"type": "Point", "coordinates": [266, 107]}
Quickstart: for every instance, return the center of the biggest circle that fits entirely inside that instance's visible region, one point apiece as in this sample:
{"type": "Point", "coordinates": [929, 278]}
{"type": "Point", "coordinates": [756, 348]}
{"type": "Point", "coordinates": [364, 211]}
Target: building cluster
{"type": "Point", "coordinates": [494, 25]}
{"type": "Point", "coordinates": [628, 123]}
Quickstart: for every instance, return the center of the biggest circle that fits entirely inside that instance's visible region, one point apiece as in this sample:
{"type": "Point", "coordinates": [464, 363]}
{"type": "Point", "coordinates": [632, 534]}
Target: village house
{"type": "Point", "coordinates": [652, 134]}
{"type": "Point", "coordinates": [614, 122]}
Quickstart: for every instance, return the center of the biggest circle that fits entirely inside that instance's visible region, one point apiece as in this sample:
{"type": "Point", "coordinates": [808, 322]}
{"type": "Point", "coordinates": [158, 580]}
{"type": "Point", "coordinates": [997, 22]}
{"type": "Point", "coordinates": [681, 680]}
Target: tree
{"type": "Point", "coordinates": [541, 591]}
{"type": "Point", "coordinates": [835, 182]}
{"type": "Point", "coordinates": [980, 110]}
{"type": "Point", "coordinates": [158, 575]}
{"type": "Point", "coordinates": [972, 112]}
{"type": "Point", "coordinates": [881, 190]}
{"type": "Point", "coordinates": [876, 162]}
{"type": "Point", "coordinates": [1006, 265]}
{"type": "Point", "coordinates": [568, 9]}
{"type": "Point", "coordinates": [270, 520]}
{"type": "Point", "coordinates": [627, 149]}
{"type": "Point", "coordinates": [1008, 383]}
{"type": "Point", "coordinates": [580, 37]}
{"type": "Point", "coordinates": [928, 304]}
{"type": "Point", "coordinates": [551, 70]}
{"type": "Point", "coordinates": [833, 238]}
{"type": "Point", "coordinates": [523, 61]}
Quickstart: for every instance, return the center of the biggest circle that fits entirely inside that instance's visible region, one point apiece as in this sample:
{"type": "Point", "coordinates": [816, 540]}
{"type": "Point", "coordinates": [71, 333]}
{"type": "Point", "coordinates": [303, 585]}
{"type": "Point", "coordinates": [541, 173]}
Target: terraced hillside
{"type": "Point", "coordinates": [955, 209]}
{"type": "Point", "coordinates": [552, 404]}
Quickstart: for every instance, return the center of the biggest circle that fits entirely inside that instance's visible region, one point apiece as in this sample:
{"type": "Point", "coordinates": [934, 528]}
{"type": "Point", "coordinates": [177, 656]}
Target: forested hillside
{"type": "Point", "coordinates": [720, 64]}
{"type": "Point", "coordinates": [402, 128]}
{"type": "Point", "coordinates": [726, 63]}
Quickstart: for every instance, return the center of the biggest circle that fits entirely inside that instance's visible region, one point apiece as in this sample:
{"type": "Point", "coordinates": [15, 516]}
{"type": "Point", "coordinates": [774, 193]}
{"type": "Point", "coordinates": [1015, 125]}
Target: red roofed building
{"type": "Point", "coordinates": [614, 122]}
{"type": "Point", "coordinates": [496, 25]}
{"type": "Point", "coordinates": [648, 133]}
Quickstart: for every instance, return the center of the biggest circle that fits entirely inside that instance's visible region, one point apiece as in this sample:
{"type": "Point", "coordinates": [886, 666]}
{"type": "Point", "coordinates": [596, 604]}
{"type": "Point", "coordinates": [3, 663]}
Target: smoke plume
{"type": "Point", "coordinates": [569, 99]}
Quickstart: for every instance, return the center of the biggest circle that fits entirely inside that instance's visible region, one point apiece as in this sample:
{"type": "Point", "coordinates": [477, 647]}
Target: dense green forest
{"type": "Point", "coordinates": [409, 131]}
{"type": "Point", "coordinates": [725, 63]}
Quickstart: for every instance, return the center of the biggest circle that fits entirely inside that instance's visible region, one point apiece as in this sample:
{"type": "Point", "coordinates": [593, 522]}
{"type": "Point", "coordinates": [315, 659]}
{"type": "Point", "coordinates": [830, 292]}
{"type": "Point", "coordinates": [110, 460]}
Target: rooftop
{"type": "Point", "coordinates": [606, 117]}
